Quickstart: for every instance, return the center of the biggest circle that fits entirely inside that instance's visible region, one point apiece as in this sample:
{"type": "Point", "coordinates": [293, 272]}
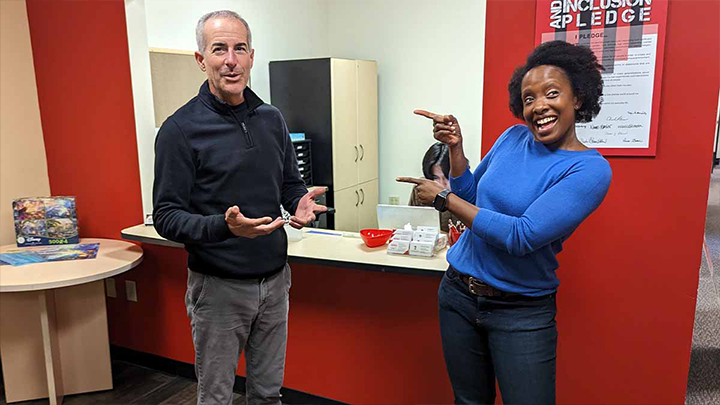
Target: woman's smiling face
{"type": "Point", "coordinates": [549, 105]}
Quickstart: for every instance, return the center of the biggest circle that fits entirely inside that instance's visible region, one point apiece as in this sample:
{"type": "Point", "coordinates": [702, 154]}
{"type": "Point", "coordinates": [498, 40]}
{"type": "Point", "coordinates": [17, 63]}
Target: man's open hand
{"type": "Point", "coordinates": [250, 228]}
{"type": "Point", "coordinates": [306, 209]}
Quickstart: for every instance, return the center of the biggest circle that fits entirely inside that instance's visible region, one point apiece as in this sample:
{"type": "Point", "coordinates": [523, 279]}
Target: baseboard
{"type": "Point", "coordinates": [187, 370]}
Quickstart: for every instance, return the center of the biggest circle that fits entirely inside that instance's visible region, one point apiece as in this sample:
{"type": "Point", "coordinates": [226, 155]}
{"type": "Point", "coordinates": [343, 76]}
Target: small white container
{"type": "Point", "coordinates": [398, 247]}
{"type": "Point", "coordinates": [441, 242]}
{"type": "Point", "coordinates": [425, 249]}
{"type": "Point", "coordinates": [292, 233]}
{"type": "Point", "coordinates": [403, 237]}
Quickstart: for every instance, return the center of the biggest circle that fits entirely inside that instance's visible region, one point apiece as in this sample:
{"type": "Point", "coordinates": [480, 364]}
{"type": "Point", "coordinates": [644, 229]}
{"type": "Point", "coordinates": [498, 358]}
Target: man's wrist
{"type": "Point", "coordinates": [228, 231]}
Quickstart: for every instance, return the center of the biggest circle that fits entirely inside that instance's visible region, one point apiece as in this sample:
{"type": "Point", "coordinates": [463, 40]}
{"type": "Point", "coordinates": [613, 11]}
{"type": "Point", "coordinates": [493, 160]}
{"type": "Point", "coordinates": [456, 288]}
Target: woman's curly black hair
{"type": "Point", "coordinates": [579, 64]}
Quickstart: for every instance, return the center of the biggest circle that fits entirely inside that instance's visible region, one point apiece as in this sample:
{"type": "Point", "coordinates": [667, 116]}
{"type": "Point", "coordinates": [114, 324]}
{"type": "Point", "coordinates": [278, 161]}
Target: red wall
{"type": "Point", "coordinates": [629, 274]}
{"type": "Point", "coordinates": [84, 90]}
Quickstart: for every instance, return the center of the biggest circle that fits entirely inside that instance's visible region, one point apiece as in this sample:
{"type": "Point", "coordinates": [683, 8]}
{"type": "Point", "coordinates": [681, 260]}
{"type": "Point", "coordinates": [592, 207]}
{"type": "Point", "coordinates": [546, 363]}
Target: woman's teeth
{"type": "Point", "coordinates": [546, 120]}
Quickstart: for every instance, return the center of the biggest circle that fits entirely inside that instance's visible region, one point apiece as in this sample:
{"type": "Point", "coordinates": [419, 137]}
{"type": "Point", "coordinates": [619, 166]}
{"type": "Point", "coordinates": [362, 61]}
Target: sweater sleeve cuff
{"type": "Point", "coordinates": [295, 203]}
{"type": "Point", "coordinates": [220, 230]}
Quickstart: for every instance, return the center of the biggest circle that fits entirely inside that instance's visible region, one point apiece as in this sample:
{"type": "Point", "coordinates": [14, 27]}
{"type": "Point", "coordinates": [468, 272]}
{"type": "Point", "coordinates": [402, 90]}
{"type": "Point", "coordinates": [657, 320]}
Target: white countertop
{"type": "Point", "coordinates": [335, 249]}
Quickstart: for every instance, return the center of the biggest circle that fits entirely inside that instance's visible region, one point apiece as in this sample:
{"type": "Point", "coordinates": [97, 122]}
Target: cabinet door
{"type": "Point", "coordinates": [367, 213]}
{"type": "Point", "coordinates": [345, 152]}
{"type": "Point", "coordinates": [367, 124]}
{"type": "Point", "coordinates": [347, 202]}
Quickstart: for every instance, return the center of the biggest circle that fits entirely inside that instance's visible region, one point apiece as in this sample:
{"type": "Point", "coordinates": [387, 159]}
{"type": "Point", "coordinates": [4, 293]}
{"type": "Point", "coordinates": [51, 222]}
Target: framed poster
{"type": "Point", "coordinates": [628, 38]}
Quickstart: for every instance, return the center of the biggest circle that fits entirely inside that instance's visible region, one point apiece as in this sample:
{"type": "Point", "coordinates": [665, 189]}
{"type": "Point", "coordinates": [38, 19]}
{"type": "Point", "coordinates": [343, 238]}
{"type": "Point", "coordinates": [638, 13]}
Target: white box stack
{"type": "Point", "coordinates": [423, 241]}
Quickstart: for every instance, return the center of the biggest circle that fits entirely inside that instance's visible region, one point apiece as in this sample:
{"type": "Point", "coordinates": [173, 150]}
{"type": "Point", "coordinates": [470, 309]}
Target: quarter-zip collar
{"type": "Point", "coordinates": [237, 112]}
{"type": "Point", "coordinates": [252, 101]}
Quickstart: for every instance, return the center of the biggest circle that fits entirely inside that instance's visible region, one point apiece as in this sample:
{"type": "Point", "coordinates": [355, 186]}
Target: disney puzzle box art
{"type": "Point", "coordinates": [45, 221]}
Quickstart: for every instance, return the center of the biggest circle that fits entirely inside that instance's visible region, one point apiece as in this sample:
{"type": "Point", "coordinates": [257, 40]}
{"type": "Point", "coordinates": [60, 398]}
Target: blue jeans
{"type": "Point", "coordinates": [513, 339]}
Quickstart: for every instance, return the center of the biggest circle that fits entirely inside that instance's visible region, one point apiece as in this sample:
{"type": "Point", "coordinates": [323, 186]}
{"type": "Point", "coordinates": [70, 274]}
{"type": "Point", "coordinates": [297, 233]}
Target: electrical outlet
{"type": "Point", "coordinates": [130, 291]}
{"type": "Point", "coordinates": [110, 290]}
{"type": "Point", "coordinates": [394, 200]}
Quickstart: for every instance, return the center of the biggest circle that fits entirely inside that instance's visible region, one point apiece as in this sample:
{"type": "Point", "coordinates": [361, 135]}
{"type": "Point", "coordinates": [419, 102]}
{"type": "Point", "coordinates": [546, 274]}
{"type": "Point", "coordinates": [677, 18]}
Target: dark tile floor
{"type": "Point", "coordinates": [135, 385]}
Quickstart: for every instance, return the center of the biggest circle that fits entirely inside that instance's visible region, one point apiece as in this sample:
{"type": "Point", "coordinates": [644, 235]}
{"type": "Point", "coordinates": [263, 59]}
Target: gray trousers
{"type": "Point", "coordinates": [229, 315]}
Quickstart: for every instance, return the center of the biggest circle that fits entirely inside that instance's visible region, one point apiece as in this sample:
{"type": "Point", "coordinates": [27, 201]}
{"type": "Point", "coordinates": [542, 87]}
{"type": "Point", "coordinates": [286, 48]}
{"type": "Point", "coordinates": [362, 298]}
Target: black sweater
{"type": "Point", "coordinates": [210, 156]}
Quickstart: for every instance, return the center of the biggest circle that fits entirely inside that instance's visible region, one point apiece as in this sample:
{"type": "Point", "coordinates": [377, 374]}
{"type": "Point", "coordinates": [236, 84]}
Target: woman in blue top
{"type": "Point", "coordinates": [527, 196]}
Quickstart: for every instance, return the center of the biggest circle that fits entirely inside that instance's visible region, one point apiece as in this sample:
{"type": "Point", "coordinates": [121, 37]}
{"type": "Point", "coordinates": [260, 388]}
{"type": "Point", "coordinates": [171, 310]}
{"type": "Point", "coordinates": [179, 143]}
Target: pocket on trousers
{"type": "Point", "coordinates": [288, 276]}
{"type": "Point", "coordinates": [450, 274]}
{"type": "Point", "coordinates": [197, 290]}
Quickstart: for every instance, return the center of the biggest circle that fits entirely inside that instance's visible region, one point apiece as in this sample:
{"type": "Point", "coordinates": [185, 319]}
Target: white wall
{"type": "Point", "coordinates": [23, 164]}
{"type": "Point", "coordinates": [281, 29]}
{"type": "Point", "coordinates": [430, 56]}
{"type": "Point", "coordinates": [135, 16]}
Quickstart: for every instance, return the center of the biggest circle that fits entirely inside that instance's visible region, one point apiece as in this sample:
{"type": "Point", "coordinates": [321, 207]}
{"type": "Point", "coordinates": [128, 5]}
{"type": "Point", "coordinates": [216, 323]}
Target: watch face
{"type": "Point", "coordinates": [439, 201]}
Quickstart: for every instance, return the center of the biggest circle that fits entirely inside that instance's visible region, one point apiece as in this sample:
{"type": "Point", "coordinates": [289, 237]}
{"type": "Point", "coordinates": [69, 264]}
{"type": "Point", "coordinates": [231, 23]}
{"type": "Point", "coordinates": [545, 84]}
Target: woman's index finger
{"type": "Point", "coordinates": [409, 180]}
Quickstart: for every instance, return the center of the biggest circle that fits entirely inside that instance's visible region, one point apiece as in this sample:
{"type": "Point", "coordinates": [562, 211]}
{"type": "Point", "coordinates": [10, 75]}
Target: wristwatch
{"type": "Point", "coordinates": [440, 201]}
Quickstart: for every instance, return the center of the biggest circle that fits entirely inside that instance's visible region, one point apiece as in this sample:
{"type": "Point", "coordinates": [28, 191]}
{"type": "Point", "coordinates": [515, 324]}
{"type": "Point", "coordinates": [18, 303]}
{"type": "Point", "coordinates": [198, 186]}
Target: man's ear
{"type": "Point", "coordinates": [252, 57]}
{"type": "Point", "coordinates": [200, 59]}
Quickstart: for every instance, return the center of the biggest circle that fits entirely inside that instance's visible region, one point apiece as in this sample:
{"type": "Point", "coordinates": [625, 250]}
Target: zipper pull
{"type": "Point", "coordinates": [248, 138]}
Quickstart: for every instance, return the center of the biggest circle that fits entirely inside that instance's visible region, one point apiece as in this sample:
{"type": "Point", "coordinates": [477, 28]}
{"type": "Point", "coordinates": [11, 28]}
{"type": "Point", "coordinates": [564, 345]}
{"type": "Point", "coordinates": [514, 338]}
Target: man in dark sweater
{"type": "Point", "coordinates": [224, 164]}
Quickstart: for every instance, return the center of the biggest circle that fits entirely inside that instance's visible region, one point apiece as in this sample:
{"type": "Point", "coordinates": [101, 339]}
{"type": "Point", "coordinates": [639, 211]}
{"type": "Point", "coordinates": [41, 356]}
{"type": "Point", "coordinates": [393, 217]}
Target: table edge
{"type": "Point", "coordinates": [73, 282]}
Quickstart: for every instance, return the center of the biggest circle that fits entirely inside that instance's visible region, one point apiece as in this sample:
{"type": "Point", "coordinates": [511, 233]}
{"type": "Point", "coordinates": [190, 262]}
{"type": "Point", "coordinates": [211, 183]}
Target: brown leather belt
{"type": "Point", "coordinates": [477, 287]}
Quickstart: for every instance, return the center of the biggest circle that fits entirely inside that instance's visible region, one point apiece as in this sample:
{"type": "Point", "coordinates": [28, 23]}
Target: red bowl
{"type": "Point", "coordinates": [375, 237]}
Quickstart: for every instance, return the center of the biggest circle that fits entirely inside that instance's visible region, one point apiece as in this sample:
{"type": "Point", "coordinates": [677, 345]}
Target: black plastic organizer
{"type": "Point", "coordinates": [304, 158]}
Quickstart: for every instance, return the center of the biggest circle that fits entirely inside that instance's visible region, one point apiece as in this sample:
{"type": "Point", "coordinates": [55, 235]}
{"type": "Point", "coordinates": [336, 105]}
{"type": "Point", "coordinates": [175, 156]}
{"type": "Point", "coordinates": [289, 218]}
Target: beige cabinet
{"type": "Point", "coordinates": [367, 122]}
{"type": "Point", "coordinates": [357, 207]}
{"type": "Point", "coordinates": [354, 143]}
{"type": "Point", "coordinates": [367, 210]}
{"type": "Point", "coordinates": [334, 102]}
{"type": "Point", "coordinates": [345, 150]}
{"type": "Point", "coordinates": [354, 122]}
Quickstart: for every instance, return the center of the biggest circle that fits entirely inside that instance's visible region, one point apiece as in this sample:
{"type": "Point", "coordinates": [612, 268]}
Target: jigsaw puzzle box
{"type": "Point", "coordinates": [45, 221]}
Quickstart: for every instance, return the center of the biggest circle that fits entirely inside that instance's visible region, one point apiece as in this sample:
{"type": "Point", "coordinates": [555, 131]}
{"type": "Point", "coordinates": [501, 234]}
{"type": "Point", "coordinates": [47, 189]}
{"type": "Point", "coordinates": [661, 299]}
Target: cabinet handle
{"type": "Point", "coordinates": [358, 198]}
{"type": "Point", "coordinates": [363, 196]}
{"type": "Point", "coordinates": [362, 150]}
{"type": "Point", "coordinates": [356, 153]}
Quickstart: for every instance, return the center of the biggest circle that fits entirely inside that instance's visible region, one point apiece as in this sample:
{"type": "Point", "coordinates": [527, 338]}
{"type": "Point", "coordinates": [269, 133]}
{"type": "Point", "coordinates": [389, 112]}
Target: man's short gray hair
{"type": "Point", "coordinates": [200, 29]}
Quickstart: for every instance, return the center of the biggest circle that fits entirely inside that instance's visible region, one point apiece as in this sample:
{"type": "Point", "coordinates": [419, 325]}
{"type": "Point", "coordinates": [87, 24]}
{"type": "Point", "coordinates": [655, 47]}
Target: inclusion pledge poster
{"type": "Point", "coordinates": [628, 38]}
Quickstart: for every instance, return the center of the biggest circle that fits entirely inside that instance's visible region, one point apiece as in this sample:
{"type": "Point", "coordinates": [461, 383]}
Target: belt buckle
{"type": "Point", "coordinates": [472, 286]}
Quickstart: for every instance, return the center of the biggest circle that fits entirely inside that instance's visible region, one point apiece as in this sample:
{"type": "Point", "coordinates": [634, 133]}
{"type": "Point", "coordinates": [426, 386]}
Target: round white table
{"type": "Point", "coordinates": [53, 323]}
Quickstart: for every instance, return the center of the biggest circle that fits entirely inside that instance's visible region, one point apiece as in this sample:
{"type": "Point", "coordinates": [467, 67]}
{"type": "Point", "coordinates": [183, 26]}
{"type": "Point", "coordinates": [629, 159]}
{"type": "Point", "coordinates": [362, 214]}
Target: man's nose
{"type": "Point", "coordinates": [231, 60]}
